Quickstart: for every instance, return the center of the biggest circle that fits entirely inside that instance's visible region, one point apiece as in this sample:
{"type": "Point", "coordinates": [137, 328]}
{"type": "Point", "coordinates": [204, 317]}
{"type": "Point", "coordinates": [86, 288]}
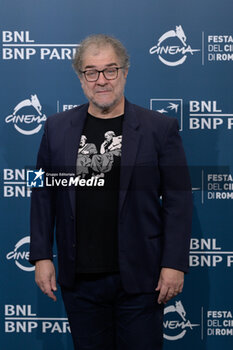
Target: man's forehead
{"type": "Point", "coordinates": [96, 55]}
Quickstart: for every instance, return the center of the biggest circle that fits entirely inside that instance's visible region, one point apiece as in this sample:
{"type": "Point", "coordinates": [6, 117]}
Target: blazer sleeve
{"type": "Point", "coordinates": [176, 200]}
{"type": "Point", "coordinates": [42, 215]}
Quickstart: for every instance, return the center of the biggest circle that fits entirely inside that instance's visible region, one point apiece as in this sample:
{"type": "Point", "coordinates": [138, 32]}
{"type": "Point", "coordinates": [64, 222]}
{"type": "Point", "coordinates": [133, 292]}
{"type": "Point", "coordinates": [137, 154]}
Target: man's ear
{"type": "Point", "coordinates": [81, 79]}
{"type": "Point", "coordinates": [126, 70]}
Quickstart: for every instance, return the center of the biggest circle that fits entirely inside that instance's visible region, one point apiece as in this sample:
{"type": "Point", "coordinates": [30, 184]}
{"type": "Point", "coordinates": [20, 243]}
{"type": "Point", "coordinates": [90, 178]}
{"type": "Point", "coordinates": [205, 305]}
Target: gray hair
{"type": "Point", "coordinates": [99, 40]}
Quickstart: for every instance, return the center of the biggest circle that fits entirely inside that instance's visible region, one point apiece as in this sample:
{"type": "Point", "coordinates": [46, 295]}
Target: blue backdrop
{"type": "Point", "coordinates": [181, 64]}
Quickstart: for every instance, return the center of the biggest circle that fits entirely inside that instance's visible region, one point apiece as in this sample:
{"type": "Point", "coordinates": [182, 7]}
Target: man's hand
{"type": "Point", "coordinates": [45, 277]}
{"type": "Point", "coordinates": [170, 284]}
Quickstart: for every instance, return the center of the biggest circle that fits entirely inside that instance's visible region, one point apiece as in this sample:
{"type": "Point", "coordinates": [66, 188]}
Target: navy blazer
{"type": "Point", "coordinates": [152, 232]}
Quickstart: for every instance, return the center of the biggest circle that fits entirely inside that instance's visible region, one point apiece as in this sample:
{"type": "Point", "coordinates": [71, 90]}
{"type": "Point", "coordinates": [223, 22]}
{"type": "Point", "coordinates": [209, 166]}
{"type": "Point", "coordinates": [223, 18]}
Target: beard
{"type": "Point", "coordinates": [106, 107]}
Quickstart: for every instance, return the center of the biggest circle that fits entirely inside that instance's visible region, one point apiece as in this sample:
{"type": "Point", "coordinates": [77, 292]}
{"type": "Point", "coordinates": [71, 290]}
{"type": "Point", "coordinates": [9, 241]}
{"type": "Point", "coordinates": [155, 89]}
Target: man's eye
{"type": "Point", "coordinates": [110, 71]}
{"type": "Point", "coordinates": [91, 73]}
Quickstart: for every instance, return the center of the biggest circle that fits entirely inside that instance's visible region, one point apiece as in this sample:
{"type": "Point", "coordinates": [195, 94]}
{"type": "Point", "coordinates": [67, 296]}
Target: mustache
{"type": "Point", "coordinates": [103, 90]}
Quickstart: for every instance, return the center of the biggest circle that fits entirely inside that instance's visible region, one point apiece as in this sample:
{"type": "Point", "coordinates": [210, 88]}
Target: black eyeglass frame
{"type": "Point", "coordinates": [101, 71]}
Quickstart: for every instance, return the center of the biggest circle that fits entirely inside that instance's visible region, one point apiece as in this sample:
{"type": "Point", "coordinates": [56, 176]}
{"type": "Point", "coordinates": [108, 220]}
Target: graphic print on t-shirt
{"type": "Point", "coordinates": [94, 163]}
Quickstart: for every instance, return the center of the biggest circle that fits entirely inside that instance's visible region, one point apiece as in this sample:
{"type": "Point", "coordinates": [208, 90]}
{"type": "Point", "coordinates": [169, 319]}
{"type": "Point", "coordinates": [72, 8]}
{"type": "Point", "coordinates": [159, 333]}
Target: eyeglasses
{"type": "Point", "coordinates": [110, 73]}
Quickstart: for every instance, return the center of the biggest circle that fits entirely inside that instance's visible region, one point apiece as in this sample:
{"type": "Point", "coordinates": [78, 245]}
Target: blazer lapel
{"type": "Point", "coordinates": [72, 144]}
{"type": "Point", "coordinates": [130, 142]}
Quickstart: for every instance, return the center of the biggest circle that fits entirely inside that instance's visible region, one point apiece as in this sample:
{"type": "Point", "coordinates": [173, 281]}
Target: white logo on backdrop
{"type": "Point", "coordinates": [172, 107]}
{"type": "Point", "coordinates": [24, 119]}
{"type": "Point", "coordinates": [178, 325]}
{"type": "Point", "coordinates": [19, 45]}
{"type": "Point", "coordinates": [23, 319]}
{"type": "Point", "coordinates": [21, 255]}
{"type": "Point", "coordinates": [172, 50]}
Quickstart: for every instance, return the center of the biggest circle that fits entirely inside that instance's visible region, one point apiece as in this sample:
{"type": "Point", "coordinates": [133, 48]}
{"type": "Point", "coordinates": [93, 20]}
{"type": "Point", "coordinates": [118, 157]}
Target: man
{"type": "Point", "coordinates": [111, 147]}
{"type": "Point", "coordinates": [111, 143]}
{"type": "Point", "coordinates": [84, 159]}
{"type": "Point", "coordinates": [122, 251]}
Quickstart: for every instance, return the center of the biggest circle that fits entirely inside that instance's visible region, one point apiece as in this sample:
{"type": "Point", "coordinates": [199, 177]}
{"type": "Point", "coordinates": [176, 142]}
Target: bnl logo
{"type": "Point", "coordinates": [35, 178]}
{"type": "Point", "coordinates": [173, 107]}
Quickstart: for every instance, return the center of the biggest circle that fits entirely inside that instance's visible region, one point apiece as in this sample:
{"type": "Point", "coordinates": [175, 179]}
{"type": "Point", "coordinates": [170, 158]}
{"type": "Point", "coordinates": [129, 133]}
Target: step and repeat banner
{"type": "Point", "coordinates": [181, 65]}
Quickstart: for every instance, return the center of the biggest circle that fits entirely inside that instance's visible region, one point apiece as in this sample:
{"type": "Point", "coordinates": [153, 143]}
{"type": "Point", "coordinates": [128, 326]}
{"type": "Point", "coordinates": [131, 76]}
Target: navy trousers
{"type": "Point", "coordinates": [103, 316]}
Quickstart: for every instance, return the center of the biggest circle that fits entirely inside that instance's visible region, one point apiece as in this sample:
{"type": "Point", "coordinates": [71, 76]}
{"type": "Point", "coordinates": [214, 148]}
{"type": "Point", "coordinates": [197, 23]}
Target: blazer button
{"type": "Point", "coordinates": [71, 217]}
{"type": "Point", "coordinates": [73, 245]}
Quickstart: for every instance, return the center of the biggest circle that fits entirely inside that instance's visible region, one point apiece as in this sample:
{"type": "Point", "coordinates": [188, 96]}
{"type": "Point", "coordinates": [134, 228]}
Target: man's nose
{"type": "Point", "coordinates": [101, 79]}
